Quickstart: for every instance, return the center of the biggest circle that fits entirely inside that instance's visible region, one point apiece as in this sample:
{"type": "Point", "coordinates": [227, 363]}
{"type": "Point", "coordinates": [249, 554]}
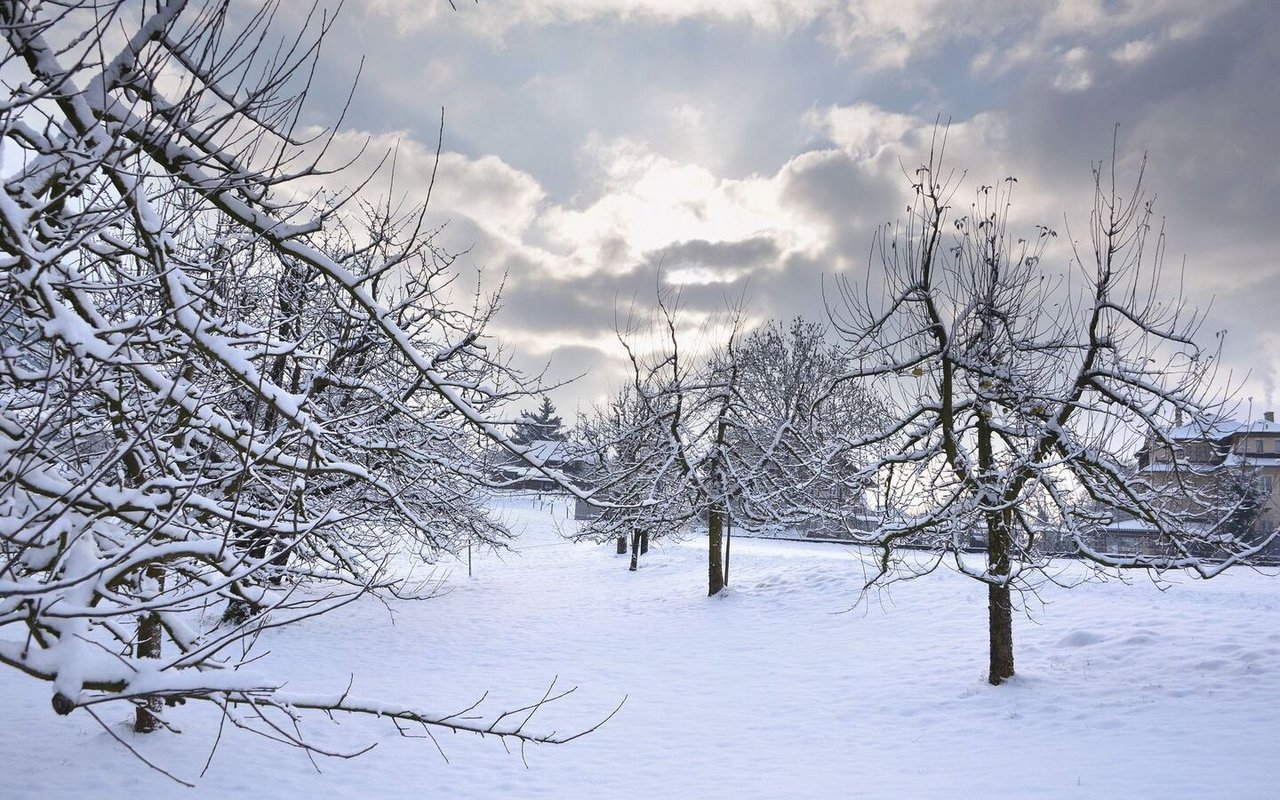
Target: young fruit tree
{"type": "Point", "coordinates": [741, 434]}
{"type": "Point", "coordinates": [1020, 394]}
{"type": "Point", "coordinates": [226, 405]}
{"type": "Point", "coordinates": [650, 449]}
{"type": "Point", "coordinates": [629, 454]}
{"type": "Point", "coordinates": [790, 405]}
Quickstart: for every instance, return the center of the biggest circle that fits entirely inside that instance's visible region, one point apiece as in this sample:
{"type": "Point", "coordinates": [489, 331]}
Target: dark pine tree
{"type": "Point", "coordinates": [541, 425]}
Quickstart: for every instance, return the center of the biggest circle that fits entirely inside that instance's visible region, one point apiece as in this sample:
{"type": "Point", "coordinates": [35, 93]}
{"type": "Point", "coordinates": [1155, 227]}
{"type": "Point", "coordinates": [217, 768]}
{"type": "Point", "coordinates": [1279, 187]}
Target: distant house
{"type": "Point", "coordinates": [582, 510]}
{"type": "Point", "coordinates": [1203, 457]}
{"type": "Point", "coordinates": [1129, 536]}
{"type": "Point", "coordinates": [522, 472]}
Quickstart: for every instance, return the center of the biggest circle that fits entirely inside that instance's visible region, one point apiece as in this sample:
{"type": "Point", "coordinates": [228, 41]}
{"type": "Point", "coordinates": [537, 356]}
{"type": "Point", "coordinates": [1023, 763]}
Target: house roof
{"type": "Point", "coordinates": [1260, 426]}
{"type": "Point", "coordinates": [550, 453]}
{"type": "Point", "coordinates": [1221, 429]}
{"type": "Point", "coordinates": [1132, 526]}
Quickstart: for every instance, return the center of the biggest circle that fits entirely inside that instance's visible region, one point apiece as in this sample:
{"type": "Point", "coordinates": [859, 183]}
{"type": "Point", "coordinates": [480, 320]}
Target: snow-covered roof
{"type": "Point", "coordinates": [1259, 426]}
{"type": "Point", "coordinates": [1228, 461]}
{"type": "Point", "coordinates": [1130, 525]}
{"type": "Point", "coordinates": [1221, 429]}
{"type": "Point", "coordinates": [1194, 431]}
{"type": "Point", "coordinates": [1142, 527]}
{"type": "Point", "coordinates": [547, 452]}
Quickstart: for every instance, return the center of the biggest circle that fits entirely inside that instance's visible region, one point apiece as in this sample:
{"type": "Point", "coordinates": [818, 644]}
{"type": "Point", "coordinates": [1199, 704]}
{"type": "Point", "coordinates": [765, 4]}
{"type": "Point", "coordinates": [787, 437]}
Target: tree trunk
{"type": "Point", "coordinates": [999, 544]}
{"type": "Point", "coordinates": [281, 561]}
{"type": "Point", "coordinates": [1000, 628]}
{"type": "Point", "coordinates": [715, 569]}
{"type": "Point", "coordinates": [146, 718]}
{"type": "Point", "coordinates": [635, 550]}
{"type": "Point", "coordinates": [999, 601]}
{"type": "Point", "coordinates": [644, 542]}
{"type": "Point", "coordinates": [622, 544]}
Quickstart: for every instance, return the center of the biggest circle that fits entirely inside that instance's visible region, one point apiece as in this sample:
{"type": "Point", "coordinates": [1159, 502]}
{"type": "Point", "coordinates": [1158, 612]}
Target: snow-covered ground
{"type": "Point", "coordinates": [773, 690]}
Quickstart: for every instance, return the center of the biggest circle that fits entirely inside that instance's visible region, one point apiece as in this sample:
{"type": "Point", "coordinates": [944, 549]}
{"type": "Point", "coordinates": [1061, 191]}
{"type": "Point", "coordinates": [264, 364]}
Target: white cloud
{"type": "Point", "coordinates": [487, 191]}
{"type": "Point", "coordinates": [496, 196]}
{"type": "Point", "coordinates": [1135, 51]}
{"type": "Point", "coordinates": [872, 34]}
{"type": "Point", "coordinates": [1074, 74]}
{"type": "Point", "coordinates": [646, 201]}
{"type": "Point", "coordinates": [885, 33]}
{"type": "Point", "coordinates": [1035, 31]}
{"type": "Point", "coordinates": [862, 129]}
{"type": "Point", "coordinates": [697, 274]}
{"type": "Point", "coordinates": [495, 19]}
{"type": "Point", "coordinates": [884, 141]}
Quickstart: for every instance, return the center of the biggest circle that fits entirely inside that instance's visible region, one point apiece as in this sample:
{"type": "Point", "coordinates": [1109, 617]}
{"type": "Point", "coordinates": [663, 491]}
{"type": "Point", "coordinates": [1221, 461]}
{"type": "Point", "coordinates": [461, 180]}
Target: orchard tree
{"type": "Point", "coordinates": [743, 430]}
{"type": "Point", "coordinates": [1016, 393]}
{"type": "Point", "coordinates": [790, 403]}
{"type": "Point", "coordinates": [630, 453]}
{"type": "Point", "coordinates": [215, 389]}
{"type": "Point", "coordinates": [646, 468]}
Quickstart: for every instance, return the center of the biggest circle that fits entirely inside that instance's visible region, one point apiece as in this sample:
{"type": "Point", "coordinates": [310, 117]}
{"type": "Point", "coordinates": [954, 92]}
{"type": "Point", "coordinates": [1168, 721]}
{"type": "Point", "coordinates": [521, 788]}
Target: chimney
{"type": "Point", "coordinates": [1269, 416]}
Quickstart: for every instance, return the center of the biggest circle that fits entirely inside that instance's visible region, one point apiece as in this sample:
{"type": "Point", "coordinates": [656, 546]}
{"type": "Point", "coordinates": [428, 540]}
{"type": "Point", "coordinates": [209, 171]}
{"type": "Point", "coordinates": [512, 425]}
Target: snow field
{"type": "Point", "coordinates": [774, 690]}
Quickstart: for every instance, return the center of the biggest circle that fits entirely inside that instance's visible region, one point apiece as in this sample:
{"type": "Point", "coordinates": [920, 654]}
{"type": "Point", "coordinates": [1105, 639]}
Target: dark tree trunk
{"type": "Point", "coordinates": [281, 561]}
{"type": "Point", "coordinates": [1000, 624]}
{"type": "Point", "coordinates": [258, 548]}
{"type": "Point", "coordinates": [239, 611]}
{"type": "Point", "coordinates": [644, 542]}
{"type": "Point", "coordinates": [146, 718]}
{"type": "Point", "coordinates": [715, 538]}
{"type": "Point", "coordinates": [999, 601]}
{"type": "Point", "coordinates": [635, 550]}
{"type": "Point", "coordinates": [622, 544]}
{"type": "Point", "coordinates": [999, 545]}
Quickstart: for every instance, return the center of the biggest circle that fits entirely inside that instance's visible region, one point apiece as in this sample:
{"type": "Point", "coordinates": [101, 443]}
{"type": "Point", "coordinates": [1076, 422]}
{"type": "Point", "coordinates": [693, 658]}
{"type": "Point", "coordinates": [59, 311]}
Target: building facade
{"type": "Point", "coordinates": [1227, 462]}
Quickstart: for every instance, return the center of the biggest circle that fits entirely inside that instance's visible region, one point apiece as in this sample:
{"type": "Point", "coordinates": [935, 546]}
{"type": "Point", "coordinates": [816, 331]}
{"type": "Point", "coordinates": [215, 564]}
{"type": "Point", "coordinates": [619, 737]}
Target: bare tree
{"type": "Point", "coordinates": [745, 431]}
{"type": "Point", "coordinates": [630, 456]}
{"type": "Point", "coordinates": [1015, 392]}
{"type": "Point", "coordinates": [646, 468]}
{"type": "Point", "coordinates": [214, 387]}
{"type": "Point", "coordinates": [791, 405]}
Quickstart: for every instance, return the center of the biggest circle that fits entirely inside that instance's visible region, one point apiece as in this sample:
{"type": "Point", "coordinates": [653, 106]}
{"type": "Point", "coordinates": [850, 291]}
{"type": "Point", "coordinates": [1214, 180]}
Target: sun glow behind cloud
{"type": "Point", "coordinates": [585, 211]}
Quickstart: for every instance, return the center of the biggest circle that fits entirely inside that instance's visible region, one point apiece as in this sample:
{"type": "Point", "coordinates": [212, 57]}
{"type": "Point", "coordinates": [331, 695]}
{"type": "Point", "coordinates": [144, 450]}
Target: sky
{"type": "Point", "coordinates": [745, 151]}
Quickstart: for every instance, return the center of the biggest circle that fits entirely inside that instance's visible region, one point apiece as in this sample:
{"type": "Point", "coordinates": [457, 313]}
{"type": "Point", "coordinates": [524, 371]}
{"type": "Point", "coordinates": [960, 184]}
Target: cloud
{"type": "Point", "coordinates": [487, 191]}
{"type": "Point", "coordinates": [1074, 74]}
{"type": "Point", "coordinates": [876, 35]}
{"type": "Point", "coordinates": [862, 130]}
{"type": "Point", "coordinates": [494, 20]}
{"type": "Point", "coordinates": [644, 201]}
{"type": "Point", "coordinates": [576, 183]}
{"type": "Point", "coordinates": [700, 262]}
{"type": "Point", "coordinates": [1134, 51]}
{"type": "Point", "coordinates": [644, 220]}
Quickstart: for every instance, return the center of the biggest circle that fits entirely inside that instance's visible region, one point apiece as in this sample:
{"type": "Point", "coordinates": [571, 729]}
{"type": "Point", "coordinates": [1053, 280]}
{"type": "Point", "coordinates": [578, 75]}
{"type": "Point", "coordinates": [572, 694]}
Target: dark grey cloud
{"type": "Point", "coordinates": [1205, 110]}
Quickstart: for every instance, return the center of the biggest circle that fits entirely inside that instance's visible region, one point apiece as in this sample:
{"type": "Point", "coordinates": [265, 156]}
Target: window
{"type": "Point", "coordinates": [1257, 445]}
{"type": "Point", "coordinates": [1266, 484]}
